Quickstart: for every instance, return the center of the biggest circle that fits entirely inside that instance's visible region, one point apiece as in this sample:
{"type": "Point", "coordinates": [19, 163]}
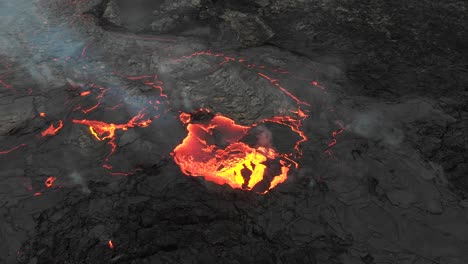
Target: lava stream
{"type": "Point", "coordinates": [52, 130]}
{"type": "Point", "coordinates": [3, 152]}
{"type": "Point", "coordinates": [102, 130]}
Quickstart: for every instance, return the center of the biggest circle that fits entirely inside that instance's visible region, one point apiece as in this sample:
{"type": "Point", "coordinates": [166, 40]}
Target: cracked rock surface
{"type": "Point", "coordinates": [382, 177]}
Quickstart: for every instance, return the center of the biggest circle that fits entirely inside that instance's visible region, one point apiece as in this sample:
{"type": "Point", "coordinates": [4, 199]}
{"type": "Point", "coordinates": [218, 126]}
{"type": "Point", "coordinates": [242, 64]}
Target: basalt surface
{"type": "Point", "coordinates": [362, 102]}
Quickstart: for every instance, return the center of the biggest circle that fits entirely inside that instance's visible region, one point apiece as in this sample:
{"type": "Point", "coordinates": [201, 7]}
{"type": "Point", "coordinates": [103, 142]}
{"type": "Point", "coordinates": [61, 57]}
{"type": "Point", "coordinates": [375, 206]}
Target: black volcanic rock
{"type": "Point", "coordinates": [249, 29]}
{"type": "Point", "coordinates": [381, 178]}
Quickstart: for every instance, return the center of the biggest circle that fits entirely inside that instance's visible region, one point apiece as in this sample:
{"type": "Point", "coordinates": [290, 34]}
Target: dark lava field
{"type": "Point", "coordinates": [233, 131]}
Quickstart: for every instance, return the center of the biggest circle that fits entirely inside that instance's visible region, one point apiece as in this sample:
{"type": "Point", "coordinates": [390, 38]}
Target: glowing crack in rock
{"type": "Point", "coordinates": [3, 152]}
{"type": "Point", "coordinates": [91, 108]}
{"type": "Point", "coordinates": [334, 139]}
{"type": "Point", "coordinates": [106, 131]}
{"type": "Point", "coordinates": [50, 181]}
{"type": "Point", "coordinates": [276, 83]}
{"type": "Point", "coordinates": [149, 80]}
{"type": "Point", "coordinates": [85, 93]}
{"type": "Point", "coordinates": [96, 89]}
{"type": "Point", "coordinates": [52, 130]}
{"type": "Point", "coordinates": [111, 244]}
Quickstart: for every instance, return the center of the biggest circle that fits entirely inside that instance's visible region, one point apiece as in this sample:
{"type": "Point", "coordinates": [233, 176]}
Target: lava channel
{"type": "Point", "coordinates": [214, 149]}
{"type": "Point", "coordinates": [52, 130]}
{"type": "Point", "coordinates": [106, 131]}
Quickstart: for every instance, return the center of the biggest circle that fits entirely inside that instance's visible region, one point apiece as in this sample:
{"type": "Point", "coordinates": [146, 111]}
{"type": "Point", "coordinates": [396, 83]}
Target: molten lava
{"type": "Point", "coordinates": [102, 130]}
{"type": "Point", "coordinates": [50, 181]}
{"type": "Point", "coordinates": [111, 245]}
{"type": "Point", "coordinates": [214, 150]}
{"type": "Point", "coordinates": [3, 152]}
{"type": "Point", "coordinates": [94, 107]}
{"type": "Point", "coordinates": [276, 83]}
{"type": "Point", "coordinates": [52, 130]}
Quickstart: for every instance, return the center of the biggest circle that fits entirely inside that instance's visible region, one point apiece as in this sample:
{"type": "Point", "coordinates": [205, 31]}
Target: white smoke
{"type": "Point", "coordinates": [374, 126]}
{"type": "Point", "coordinates": [264, 137]}
{"type": "Point", "coordinates": [79, 180]}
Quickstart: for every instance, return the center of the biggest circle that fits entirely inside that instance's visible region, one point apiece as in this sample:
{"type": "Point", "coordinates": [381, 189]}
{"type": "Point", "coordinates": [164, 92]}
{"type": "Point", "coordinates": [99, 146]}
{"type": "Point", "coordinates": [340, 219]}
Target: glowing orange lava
{"type": "Point", "coordinates": [276, 83]}
{"type": "Point", "coordinates": [85, 93]}
{"type": "Point", "coordinates": [102, 130]}
{"type": "Point", "coordinates": [52, 130]}
{"type": "Point", "coordinates": [91, 108]}
{"type": "Point", "coordinates": [150, 80]}
{"type": "Point", "coordinates": [230, 161]}
{"type": "Point", "coordinates": [3, 152]}
{"type": "Point", "coordinates": [50, 181]}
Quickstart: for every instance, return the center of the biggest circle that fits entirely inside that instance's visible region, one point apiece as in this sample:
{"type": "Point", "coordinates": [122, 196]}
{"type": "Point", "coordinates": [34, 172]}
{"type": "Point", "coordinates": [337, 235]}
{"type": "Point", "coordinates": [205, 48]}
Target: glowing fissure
{"type": "Point", "coordinates": [273, 81]}
{"type": "Point", "coordinates": [294, 125]}
{"type": "Point", "coordinates": [106, 131]}
{"type": "Point", "coordinates": [52, 130]}
{"type": "Point", "coordinates": [3, 152]}
{"type": "Point", "coordinates": [91, 108]}
{"type": "Point", "coordinates": [85, 93]}
{"type": "Point", "coordinates": [334, 140]}
{"type": "Point", "coordinates": [276, 83]}
{"type": "Point", "coordinates": [99, 96]}
{"type": "Point", "coordinates": [50, 181]}
{"type": "Point", "coordinates": [150, 80]}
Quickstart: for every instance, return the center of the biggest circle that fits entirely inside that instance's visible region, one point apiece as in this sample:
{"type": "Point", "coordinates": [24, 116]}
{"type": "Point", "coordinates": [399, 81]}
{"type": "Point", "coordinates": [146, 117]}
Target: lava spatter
{"type": "Point", "coordinates": [214, 149]}
{"type": "Point", "coordinates": [85, 93]}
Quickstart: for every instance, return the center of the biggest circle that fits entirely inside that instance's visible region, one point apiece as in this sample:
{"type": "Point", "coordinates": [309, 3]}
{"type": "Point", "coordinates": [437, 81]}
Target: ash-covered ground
{"type": "Point", "coordinates": [90, 97]}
